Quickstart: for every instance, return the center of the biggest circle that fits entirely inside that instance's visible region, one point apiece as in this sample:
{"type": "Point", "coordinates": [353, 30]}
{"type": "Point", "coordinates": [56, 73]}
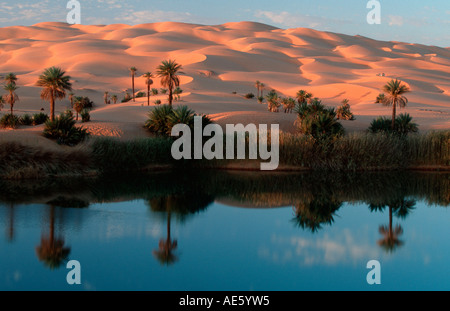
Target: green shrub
{"type": "Point", "coordinates": [64, 131]}
{"type": "Point", "coordinates": [343, 112]}
{"type": "Point", "coordinates": [127, 98]}
{"type": "Point", "coordinates": [318, 121]}
{"type": "Point", "coordinates": [249, 95]}
{"type": "Point", "coordinates": [157, 122]}
{"type": "Point", "coordinates": [9, 121]}
{"type": "Point", "coordinates": [381, 124]}
{"type": "Point", "coordinates": [39, 118]}
{"type": "Point", "coordinates": [403, 125]}
{"type": "Point", "coordinates": [85, 115]}
{"type": "Point", "coordinates": [141, 94]}
{"type": "Point", "coordinates": [163, 118]}
{"type": "Point", "coordinates": [157, 102]}
{"type": "Point", "coordinates": [26, 119]}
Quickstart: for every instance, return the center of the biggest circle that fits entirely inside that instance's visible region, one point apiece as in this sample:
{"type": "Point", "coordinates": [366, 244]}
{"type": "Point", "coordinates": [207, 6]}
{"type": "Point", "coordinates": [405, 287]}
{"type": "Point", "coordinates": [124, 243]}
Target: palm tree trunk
{"type": "Point", "coordinates": [394, 105]}
{"type": "Point", "coordinates": [11, 98]}
{"type": "Point", "coordinates": [170, 97]}
{"type": "Point", "coordinates": [52, 107]}
{"type": "Point", "coordinates": [148, 94]}
{"type": "Point", "coordinates": [132, 85]}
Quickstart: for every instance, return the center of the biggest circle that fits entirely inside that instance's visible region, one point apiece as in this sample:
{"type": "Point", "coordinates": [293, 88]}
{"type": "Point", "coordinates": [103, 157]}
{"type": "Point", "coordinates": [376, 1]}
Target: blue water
{"type": "Point", "coordinates": [223, 248]}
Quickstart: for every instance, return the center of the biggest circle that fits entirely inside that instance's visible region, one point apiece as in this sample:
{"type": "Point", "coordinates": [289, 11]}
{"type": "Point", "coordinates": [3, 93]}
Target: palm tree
{"type": "Point", "coordinates": [55, 84]}
{"type": "Point", "coordinates": [78, 105]}
{"type": "Point", "coordinates": [168, 71]}
{"type": "Point", "coordinates": [257, 85]}
{"type": "Point", "coordinates": [301, 96]}
{"type": "Point", "coordinates": [71, 95]}
{"type": "Point", "coordinates": [380, 99]}
{"type": "Point", "coordinates": [106, 97]}
{"type": "Point", "coordinates": [272, 101]}
{"type": "Point", "coordinates": [148, 80]}
{"type": "Point", "coordinates": [261, 87]}
{"type": "Point", "coordinates": [133, 71]}
{"type": "Point", "coordinates": [11, 78]}
{"type": "Point", "coordinates": [114, 99]}
{"type": "Point", "coordinates": [12, 97]}
{"type": "Point", "coordinates": [177, 92]}
{"type": "Point", "coordinates": [394, 91]}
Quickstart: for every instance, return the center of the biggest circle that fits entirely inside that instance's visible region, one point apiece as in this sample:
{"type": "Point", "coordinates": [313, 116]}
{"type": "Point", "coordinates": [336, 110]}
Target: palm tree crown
{"type": "Point", "coordinates": [11, 78]}
{"type": "Point", "coordinates": [168, 71]}
{"type": "Point", "coordinates": [394, 91]}
{"type": "Point", "coordinates": [55, 84]}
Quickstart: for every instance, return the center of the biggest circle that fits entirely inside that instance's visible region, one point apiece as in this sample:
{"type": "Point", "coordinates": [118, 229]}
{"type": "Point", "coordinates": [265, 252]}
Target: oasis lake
{"type": "Point", "coordinates": [227, 231]}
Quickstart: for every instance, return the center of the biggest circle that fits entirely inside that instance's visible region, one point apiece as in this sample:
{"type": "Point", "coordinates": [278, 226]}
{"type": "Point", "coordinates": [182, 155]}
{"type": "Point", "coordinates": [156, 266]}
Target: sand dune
{"type": "Point", "coordinates": [219, 60]}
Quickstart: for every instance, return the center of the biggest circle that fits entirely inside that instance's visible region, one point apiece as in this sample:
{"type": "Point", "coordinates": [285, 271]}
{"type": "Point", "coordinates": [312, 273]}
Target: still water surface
{"type": "Point", "coordinates": [228, 231]}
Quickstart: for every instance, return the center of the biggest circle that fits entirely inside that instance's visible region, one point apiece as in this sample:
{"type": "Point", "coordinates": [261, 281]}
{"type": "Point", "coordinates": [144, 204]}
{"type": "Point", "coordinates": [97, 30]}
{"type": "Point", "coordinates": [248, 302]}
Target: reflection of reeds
{"type": "Point", "coordinates": [200, 187]}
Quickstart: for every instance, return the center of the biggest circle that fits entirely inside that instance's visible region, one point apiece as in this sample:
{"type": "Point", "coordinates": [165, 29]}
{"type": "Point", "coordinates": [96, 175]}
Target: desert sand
{"type": "Point", "coordinates": [218, 61]}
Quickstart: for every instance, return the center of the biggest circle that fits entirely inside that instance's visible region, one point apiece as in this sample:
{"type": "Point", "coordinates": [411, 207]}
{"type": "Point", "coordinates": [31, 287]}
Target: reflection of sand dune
{"type": "Point", "coordinates": [221, 59]}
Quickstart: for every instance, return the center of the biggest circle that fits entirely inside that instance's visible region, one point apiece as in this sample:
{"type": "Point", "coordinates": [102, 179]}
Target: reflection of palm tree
{"type": "Point", "coordinates": [165, 253]}
{"type": "Point", "coordinates": [390, 240]}
{"type": "Point", "coordinates": [314, 214]}
{"type": "Point", "coordinates": [51, 250]}
{"type": "Point", "coordinates": [400, 208]}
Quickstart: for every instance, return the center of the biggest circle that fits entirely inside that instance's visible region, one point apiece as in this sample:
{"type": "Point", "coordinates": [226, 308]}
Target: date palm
{"type": "Point", "coordinates": [261, 87]}
{"type": "Point", "coordinates": [380, 99]}
{"type": "Point", "coordinates": [114, 99]}
{"type": "Point", "coordinates": [106, 97]}
{"type": "Point", "coordinates": [257, 85]}
{"type": "Point", "coordinates": [168, 72]}
{"type": "Point", "coordinates": [11, 97]}
{"type": "Point", "coordinates": [11, 78]}
{"type": "Point", "coordinates": [133, 72]}
{"type": "Point", "coordinates": [394, 96]}
{"type": "Point", "coordinates": [55, 84]}
{"type": "Point", "coordinates": [71, 95]}
{"type": "Point", "coordinates": [78, 105]}
{"type": "Point", "coordinates": [148, 80]}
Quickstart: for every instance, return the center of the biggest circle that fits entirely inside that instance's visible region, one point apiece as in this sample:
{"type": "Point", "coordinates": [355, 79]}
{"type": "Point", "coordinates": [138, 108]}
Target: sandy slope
{"type": "Point", "coordinates": [222, 59]}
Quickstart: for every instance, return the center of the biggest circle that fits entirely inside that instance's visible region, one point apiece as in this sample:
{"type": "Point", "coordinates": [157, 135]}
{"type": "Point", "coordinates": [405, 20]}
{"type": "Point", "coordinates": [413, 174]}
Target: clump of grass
{"type": "Point", "coordinates": [9, 121]}
{"type": "Point", "coordinates": [249, 95]}
{"type": "Point", "coordinates": [26, 119]}
{"type": "Point", "coordinates": [39, 118]}
{"type": "Point", "coordinates": [64, 131]}
{"type": "Point", "coordinates": [141, 94]}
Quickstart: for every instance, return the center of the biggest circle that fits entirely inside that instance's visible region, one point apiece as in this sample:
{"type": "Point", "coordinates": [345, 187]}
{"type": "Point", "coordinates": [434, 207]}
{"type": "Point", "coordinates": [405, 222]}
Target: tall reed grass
{"type": "Point", "coordinates": [353, 152]}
